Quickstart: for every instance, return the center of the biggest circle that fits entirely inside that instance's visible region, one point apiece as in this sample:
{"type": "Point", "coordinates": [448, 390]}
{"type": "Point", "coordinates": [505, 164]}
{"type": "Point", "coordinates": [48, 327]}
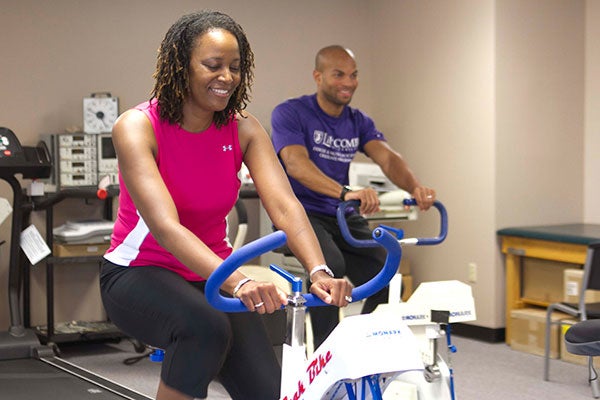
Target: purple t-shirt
{"type": "Point", "coordinates": [332, 143]}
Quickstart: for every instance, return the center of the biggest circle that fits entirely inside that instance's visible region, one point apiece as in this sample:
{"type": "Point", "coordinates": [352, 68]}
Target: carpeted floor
{"type": "Point", "coordinates": [481, 371]}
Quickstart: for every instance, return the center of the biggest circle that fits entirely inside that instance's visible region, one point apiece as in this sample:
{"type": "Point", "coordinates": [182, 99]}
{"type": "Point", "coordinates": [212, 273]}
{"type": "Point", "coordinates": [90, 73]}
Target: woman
{"type": "Point", "coordinates": [179, 155]}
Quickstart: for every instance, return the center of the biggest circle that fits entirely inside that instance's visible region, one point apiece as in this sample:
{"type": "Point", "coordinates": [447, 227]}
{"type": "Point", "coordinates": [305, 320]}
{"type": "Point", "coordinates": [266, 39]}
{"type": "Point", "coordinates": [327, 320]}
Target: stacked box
{"type": "Point", "coordinates": [528, 331]}
{"type": "Point", "coordinates": [572, 287]}
{"type": "Point", "coordinates": [543, 280]}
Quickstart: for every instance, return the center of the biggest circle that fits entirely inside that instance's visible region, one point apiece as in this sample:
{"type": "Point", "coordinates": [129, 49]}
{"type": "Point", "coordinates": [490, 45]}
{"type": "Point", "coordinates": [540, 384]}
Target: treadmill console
{"type": "Point", "coordinates": [31, 162]}
{"type": "Point", "coordinates": [10, 148]}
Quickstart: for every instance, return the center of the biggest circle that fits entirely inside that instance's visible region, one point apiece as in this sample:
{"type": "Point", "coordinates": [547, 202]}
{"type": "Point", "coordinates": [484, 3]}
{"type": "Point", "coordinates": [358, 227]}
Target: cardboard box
{"type": "Point", "coordinates": [404, 266]}
{"type": "Point", "coordinates": [528, 331]}
{"type": "Point", "coordinates": [564, 354]}
{"type": "Point", "coordinates": [407, 284]}
{"type": "Point", "coordinates": [79, 250]}
{"type": "Point", "coordinates": [543, 280]}
{"type": "Point", "coordinates": [572, 287]}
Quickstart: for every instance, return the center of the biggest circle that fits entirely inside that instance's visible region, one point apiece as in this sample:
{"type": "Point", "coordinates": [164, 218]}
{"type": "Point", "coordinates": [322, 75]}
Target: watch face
{"type": "Point", "coordinates": [99, 114]}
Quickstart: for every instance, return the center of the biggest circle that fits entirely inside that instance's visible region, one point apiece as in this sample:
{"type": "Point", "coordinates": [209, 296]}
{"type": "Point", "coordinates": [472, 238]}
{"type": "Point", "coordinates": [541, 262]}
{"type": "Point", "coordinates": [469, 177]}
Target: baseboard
{"type": "Point", "coordinates": [491, 335]}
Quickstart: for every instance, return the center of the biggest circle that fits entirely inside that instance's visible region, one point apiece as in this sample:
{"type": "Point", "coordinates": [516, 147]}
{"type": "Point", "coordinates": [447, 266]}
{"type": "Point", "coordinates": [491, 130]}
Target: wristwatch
{"type": "Point", "coordinates": [318, 268]}
{"type": "Point", "coordinates": [345, 189]}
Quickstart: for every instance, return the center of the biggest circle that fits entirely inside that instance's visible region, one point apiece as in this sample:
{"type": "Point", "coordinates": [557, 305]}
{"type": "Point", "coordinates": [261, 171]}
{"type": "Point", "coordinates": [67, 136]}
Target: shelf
{"type": "Point", "coordinates": [70, 331]}
{"type": "Point", "coordinates": [73, 260]}
{"type": "Point", "coordinates": [535, 302]}
{"type": "Point", "coordinates": [77, 331]}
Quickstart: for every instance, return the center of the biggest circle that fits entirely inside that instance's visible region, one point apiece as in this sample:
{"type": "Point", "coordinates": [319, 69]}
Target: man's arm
{"type": "Point", "coordinates": [300, 167]}
{"type": "Point", "coordinates": [397, 170]}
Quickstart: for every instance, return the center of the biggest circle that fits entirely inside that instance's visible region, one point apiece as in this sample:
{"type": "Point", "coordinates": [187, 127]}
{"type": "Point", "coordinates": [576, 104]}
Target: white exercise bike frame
{"type": "Point", "coordinates": [365, 353]}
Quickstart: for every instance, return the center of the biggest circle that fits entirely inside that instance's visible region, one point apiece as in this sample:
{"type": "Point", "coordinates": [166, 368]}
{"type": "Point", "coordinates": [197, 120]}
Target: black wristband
{"type": "Point", "coordinates": [345, 189]}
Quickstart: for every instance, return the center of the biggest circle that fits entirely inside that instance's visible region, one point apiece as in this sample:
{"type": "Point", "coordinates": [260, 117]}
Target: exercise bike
{"type": "Point", "coordinates": [365, 353]}
{"type": "Point", "coordinates": [429, 313]}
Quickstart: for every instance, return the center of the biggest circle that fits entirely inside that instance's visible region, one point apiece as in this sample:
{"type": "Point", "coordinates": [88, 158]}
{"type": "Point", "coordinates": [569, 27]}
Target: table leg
{"type": "Point", "coordinates": [513, 288]}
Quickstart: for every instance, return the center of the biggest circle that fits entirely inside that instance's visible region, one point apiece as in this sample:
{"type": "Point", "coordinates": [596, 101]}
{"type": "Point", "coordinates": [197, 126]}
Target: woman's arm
{"type": "Point", "coordinates": [285, 210]}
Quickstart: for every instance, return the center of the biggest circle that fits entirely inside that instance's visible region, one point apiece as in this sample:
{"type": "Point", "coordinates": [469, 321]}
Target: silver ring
{"type": "Point", "coordinates": [348, 299]}
{"type": "Point", "coordinates": [259, 304]}
{"type": "Point", "coordinates": [429, 196]}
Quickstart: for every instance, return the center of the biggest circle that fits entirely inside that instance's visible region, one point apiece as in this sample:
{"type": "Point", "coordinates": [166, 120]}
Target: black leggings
{"type": "Point", "coordinates": [358, 264]}
{"type": "Point", "coordinates": [161, 309]}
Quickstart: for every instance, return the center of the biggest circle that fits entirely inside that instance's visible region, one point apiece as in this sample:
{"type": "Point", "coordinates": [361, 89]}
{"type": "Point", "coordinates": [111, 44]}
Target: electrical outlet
{"type": "Point", "coordinates": [472, 272]}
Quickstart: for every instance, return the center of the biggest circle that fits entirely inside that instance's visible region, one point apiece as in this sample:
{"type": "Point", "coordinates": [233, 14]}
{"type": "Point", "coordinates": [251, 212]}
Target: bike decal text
{"type": "Point", "coordinates": [316, 366]}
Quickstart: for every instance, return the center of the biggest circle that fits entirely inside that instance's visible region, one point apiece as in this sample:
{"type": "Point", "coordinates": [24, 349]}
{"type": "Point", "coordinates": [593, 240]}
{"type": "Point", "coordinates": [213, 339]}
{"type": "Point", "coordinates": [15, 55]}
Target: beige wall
{"type": "Point", "coordinates": [438, 111]}
{"type": "Point", "coordinates": [591, 197]}
{"type": "Point", "coordinates": [55, 53]}
{"type": "Point", "coordinates": [484, 98]}
{"type": "Point", "coordinates": [539, 143]}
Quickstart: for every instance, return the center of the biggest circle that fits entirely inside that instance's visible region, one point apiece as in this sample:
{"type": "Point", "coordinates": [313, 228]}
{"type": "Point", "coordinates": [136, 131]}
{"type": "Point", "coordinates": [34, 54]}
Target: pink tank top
{"type": "Point", "coordinates": [200, 171]}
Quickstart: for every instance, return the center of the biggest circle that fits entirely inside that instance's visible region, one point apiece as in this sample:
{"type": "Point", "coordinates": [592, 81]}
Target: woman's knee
{"type": "Point", "coordinates": [210, 328]}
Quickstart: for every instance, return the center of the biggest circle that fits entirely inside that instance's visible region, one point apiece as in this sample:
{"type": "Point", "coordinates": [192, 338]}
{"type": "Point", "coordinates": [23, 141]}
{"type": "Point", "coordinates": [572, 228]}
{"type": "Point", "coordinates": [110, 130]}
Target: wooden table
{"type": "Point", "coordinates": [564, 243]}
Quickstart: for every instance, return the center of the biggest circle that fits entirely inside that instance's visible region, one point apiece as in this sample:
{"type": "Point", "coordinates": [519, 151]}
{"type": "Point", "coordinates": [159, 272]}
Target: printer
{"type": "Point", "coordinates": [364, 174]}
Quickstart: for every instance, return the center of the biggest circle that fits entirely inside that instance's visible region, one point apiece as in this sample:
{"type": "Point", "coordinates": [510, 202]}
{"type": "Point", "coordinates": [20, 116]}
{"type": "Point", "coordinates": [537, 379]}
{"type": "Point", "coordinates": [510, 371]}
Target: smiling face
{"type": "Point", "coordinates": [337, 79]}
{"type": "Point", "coordinates": [214, 74]}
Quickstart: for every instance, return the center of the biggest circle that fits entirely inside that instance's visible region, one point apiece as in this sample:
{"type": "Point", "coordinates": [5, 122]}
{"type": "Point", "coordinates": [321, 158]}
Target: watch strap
{"type": "Point", "coordinates": [318, 268]}
{"type": "Point", "coordinates": [345, 189]}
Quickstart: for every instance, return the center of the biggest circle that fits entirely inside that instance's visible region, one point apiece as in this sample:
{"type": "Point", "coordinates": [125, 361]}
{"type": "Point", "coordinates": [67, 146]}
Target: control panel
{"type": "Point", "coordinates": [30, 162]}
{"type": "Point", "coordinates": [82, 159]}
{"type": "Point", "coordinates": [10, 148]}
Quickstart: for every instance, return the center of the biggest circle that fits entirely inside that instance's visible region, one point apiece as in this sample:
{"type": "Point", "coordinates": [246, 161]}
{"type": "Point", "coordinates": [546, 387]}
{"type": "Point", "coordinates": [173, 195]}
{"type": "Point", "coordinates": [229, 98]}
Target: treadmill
{"type": "Point", "coordinates": [28, 369]}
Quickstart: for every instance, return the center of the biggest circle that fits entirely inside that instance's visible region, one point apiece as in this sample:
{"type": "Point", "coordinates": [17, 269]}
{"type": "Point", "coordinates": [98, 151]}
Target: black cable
{"type": "Point", "coordinates": [135, 359]}
{"type": "Point", "coordinates": [139, 347]}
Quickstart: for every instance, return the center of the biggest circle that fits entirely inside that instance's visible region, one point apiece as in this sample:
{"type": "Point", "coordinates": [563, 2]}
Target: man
{"type": "Point", "coordinates": [316, 137]}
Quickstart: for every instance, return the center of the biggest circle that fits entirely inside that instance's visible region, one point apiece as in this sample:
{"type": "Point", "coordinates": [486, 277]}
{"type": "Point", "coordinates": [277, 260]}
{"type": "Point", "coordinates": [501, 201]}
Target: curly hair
{"type": "Point", "coordinates": [173, 63]}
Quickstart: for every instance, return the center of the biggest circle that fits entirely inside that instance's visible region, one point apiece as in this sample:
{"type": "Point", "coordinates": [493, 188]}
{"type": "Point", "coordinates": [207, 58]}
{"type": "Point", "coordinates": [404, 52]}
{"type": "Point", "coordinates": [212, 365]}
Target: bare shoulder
{"type": "Point", "coordinates": [133, 129]}
{"type": "Point", "coordinates": [131, 119]}
{"type": "Point", "coordinates": [249, 129]}
{"type": "Point", "coordinates": [248, 123]}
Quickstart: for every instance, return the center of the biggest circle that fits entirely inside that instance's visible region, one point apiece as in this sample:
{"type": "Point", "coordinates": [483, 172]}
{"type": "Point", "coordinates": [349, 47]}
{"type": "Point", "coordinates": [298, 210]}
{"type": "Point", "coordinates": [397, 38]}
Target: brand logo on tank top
{"type": "Point", "coordinates": [228, 148]}
{"type": "Point", "coordinates": [324, 139]}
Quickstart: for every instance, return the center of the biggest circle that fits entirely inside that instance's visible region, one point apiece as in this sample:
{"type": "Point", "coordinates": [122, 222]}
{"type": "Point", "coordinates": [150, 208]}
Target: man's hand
{"type": "Point", "coordinates": [424, 196]}
{"type": "Point", "coordinates": [369, 200]}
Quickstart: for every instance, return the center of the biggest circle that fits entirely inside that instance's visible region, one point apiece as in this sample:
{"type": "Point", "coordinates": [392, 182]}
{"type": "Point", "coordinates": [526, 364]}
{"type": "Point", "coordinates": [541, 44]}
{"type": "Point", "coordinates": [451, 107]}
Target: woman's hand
{"type": "Point", "coordinates": [336, 292]}
{"type": "Point", "coordinates": [262, 297]}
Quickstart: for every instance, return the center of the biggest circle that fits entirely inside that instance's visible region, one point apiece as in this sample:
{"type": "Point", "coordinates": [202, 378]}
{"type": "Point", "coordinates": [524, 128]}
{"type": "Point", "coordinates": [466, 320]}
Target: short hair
{"type": "Point", "coordinates": [172, 67]}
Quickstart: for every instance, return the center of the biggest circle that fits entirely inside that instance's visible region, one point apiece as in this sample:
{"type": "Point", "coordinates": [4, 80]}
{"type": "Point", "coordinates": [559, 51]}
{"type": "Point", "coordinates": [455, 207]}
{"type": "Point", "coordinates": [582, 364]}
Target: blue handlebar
{"type": "Point", "coordinates": [341, 218]}
{"type": "Point", "coordinates": [245, 253]}
{"type": "Point", "coordinates": [277, 239]}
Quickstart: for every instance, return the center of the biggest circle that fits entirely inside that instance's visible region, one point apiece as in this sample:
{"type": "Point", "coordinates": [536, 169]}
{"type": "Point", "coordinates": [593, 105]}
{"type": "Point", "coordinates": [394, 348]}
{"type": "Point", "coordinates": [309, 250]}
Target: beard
{"type": "Point", "coordinates": [332, 98]}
